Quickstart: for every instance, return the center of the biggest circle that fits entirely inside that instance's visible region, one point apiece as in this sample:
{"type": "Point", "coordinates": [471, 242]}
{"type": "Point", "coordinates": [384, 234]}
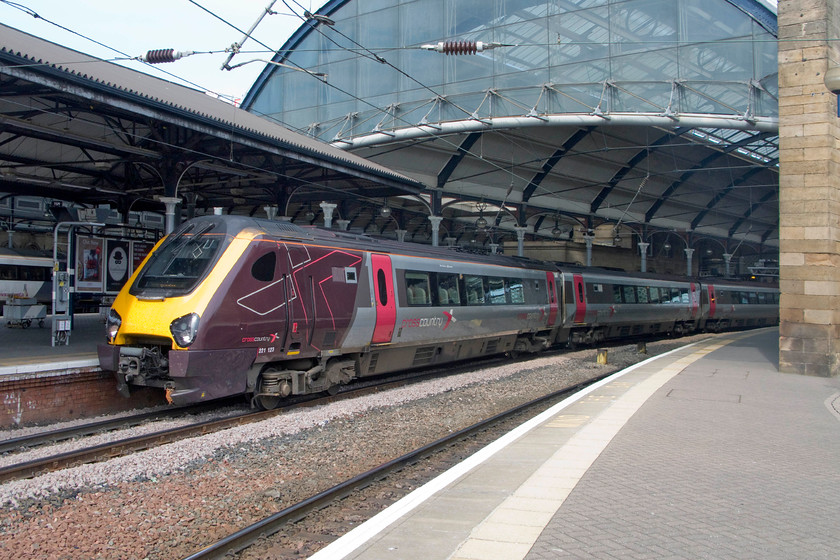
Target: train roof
{"type": "Point", "coordinates": [23, 256]}
{"type": "Point", "coordinates": [349, 240]}
{"type": "Point", "coordinates": [233, 224]}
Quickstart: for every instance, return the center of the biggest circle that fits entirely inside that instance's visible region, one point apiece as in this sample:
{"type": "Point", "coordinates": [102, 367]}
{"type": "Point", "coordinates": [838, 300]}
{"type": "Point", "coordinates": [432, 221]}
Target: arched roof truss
{"type": "Point", "coordinates": [653, 113]}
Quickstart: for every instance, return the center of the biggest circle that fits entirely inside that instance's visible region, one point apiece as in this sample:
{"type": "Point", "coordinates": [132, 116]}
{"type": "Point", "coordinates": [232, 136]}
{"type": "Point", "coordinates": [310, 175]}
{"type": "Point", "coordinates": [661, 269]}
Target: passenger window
{"type": "Point", "coordinates": [616, 293]}
{"type": "Point", "coordinates": [654, 295]}
{"type": "Point", "coordinates": [418, 288]}
{"type": "Point", "coordinates": [382, 287]}
{"type": "Point", "coordinates": [642, 294]}
{"type": "Point", "coordinates": [448, 290]}
{"type": "Point", "coordinates": [629, 294]}
{"type": "Point", "coordinates": [475, 290]}
{"type": "Point", "coordinates": [517, 291]}
{"type": "Point", "coordinates": [263, 267]}
{"type": "Point", "coordinates": [496, 291]}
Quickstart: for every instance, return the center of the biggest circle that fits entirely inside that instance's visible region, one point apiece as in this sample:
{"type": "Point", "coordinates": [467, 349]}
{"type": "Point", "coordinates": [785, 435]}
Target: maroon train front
{"type": "Point", "coordinates": [229, 305]}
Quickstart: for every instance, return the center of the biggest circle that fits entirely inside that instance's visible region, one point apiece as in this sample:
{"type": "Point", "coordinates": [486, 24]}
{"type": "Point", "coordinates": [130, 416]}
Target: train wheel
{"type": "Point", "coordinates": [25, 323]}
{"type": "Point", "coordinates": [271, 389]}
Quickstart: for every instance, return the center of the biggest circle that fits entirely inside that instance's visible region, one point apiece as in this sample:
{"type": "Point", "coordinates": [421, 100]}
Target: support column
{"type": "Point", "coordinates": [588, 237]}
{"type": "Point", "coordinates": [435, 228]}
{"type": "Point", "coordinates": [401, 234]}
{"type": "Point", "coordinates": [170, 202]}
{"type": "Point", "coordinates": [328, 208]}
{"type": "Point", "coordinates": [270, 212]}
{"type": "Point", "coordinates": [809, 189]}
{"type": "Point", "coordinates": [520, 240]}
{"type": "Point", "coordinates": [342, 224]}
{"type": "Point", "coordinates": [688, 254]}
{"type": "Point", "coordinates": [643, 254]}
{"type": "Point", "coordinates": [727, 261]}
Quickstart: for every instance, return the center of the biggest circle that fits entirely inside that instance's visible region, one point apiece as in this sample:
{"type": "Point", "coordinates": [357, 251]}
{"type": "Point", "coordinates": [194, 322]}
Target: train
{"type": "Point", "coordinates": [233, 305]}
{"type": "Point", "coordinates": [25, 276]}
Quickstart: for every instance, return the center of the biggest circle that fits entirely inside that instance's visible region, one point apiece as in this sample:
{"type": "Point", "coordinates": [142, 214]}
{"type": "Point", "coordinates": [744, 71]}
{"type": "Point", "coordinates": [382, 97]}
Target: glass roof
{"type": "Point", "coordinates": [703, 71]}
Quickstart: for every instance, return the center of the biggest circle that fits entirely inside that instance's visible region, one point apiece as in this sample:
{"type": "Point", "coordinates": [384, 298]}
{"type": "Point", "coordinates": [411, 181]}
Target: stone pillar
{"type": "Point", "coordinates": [435, 220]}
{"type": "Point", "coordinates": [643, 254]}
{"type": "Point", "coordinates": [342, 224]}
{"type": "Point", "coordinates": [809, 189]}
{"type": "Point", "coordinates": [520, 240]}
{"type": "Point", "coordinates": [328, 208]}
{"type": "Point", "coordinates": [171, 202]}
{"type": "Point", "coordinates": [401, 234]}
{"type": "Point", "coordinates": [688, 254]}
{"type": "Point", "coordinates": [727, 261]}
{"type": "Point", "coordinates": [270, 212]}
{"type": "Point", "coordinates": [588, 237]}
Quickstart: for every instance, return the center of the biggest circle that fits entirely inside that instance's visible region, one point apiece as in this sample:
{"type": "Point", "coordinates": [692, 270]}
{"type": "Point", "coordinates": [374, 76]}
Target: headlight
{"type": "Point", "coordinates": [112, 324]}
{"type": "Point", "coordinates": [184, 329]}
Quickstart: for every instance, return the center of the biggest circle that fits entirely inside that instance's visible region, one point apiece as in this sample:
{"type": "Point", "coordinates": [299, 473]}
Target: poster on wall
{"type": "Point", "coordinates": [139, 250]}
{"type": "Point", "coordinates": [89, 266]}
{"type": "Point", "coordinates": [117, 265]}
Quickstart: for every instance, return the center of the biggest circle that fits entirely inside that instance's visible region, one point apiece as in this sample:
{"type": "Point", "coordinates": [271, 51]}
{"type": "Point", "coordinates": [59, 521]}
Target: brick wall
{"type": "Point", "coordinates": [32, 399]}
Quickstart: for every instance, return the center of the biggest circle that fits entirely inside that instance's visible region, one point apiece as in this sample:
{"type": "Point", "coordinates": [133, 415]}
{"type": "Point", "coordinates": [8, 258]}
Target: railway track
{"type": "Point", "coordinates": [247, 537]}
{"type": "Point", "coordinates": [49, 437]}
{"type": "Point", "coordinates": [125, 446]}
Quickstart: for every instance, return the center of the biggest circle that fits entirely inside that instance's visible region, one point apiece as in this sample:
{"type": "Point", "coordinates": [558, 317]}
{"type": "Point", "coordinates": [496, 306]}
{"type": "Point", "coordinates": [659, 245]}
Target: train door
{"type": "Point", "coordinates": [299, 297]}
{"type": "Point", "coordinates": [694, 300]}
{"type": "Point", "coordinates": [552, 297]}
{"type": "Point", "coordinates": [384, 298]}
{"type": "Point", "coordinates": [712, 301]}
{"type": "Point", "coordinates": [580, 298]}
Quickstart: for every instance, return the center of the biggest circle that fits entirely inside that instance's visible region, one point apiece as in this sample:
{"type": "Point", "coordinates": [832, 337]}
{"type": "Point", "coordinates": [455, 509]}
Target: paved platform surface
{"type": "Point", "coordinates": [31, 351]}
{"type": "Point", "coordinates": [707, 452]}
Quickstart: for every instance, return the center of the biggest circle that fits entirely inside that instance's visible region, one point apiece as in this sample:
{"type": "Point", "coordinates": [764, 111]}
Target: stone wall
{"type": "Point", "coordinates": [809, 198]}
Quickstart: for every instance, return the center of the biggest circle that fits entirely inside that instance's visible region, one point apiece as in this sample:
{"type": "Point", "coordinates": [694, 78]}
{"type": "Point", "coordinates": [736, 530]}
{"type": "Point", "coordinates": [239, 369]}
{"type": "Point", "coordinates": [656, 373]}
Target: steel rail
{"type": "Point", "coordinates": [119, 448]}
{"type": "Point", "coordinates": [247, 536]}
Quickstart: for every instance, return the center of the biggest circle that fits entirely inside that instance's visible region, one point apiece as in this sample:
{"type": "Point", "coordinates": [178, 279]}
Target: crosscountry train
{"type": "Point", "coordinates": [229, 305]}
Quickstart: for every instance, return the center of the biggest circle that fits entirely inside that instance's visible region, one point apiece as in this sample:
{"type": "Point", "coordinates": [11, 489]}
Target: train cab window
{"type": "Point", "coordinates": [448, 290]}
{"type": "Point", "coordinates": [263, 267]}
{"type": "Point", "coordinates": [642, 295]}
{"type": "Point", "coordinates": [629, 294]}
{"type": "Point", "coordinates": [181, 262]}
{"type": "Point", "coordinates": [418, 288]}
{"type": "Point", "coordinates": [475, 290]}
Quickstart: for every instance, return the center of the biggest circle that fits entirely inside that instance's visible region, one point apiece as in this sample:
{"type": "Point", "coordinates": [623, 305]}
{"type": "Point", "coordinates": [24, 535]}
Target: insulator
{"type": "Point", "coordinates": [459, 47]}
{"type": "Point", "coordinates": [159, 56]}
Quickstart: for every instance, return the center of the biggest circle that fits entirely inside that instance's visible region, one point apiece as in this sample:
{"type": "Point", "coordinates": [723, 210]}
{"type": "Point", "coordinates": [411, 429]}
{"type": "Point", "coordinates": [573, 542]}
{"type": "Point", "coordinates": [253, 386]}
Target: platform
{"type": "Point", "coordinates": [30, 350]}
{"type": "Point", "coordinates": [705, 452]}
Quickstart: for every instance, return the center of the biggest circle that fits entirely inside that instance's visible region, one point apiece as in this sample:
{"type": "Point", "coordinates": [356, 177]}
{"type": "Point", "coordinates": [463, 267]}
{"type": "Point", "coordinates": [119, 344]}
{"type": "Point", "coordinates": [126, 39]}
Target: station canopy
{"type": "Point", "coordinates": [84, 135]}
{"type": "Point", "coordinates": [553, 118]}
